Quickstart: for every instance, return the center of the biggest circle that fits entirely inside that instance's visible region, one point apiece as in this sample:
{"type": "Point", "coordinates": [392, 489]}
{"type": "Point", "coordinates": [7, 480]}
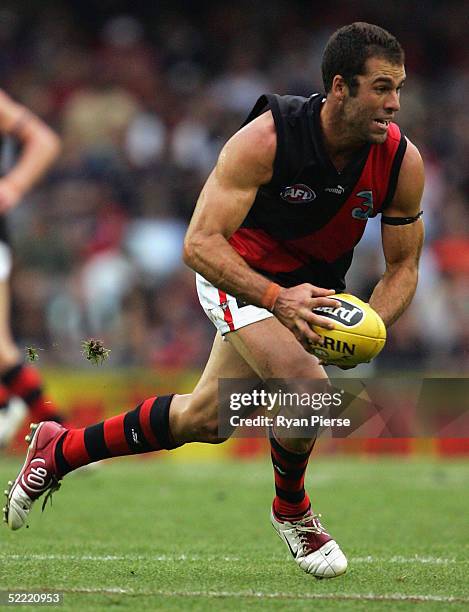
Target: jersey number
{"type": "Point", "coordinates": [364, 213]}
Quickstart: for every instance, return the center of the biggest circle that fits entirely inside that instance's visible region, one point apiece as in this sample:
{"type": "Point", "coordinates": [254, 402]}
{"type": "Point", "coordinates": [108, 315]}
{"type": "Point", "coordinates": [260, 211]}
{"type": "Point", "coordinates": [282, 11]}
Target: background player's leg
{"type": "Point", "coordinates": [12, 413]}
{"type": "Point", "coordinates": [17, 378]}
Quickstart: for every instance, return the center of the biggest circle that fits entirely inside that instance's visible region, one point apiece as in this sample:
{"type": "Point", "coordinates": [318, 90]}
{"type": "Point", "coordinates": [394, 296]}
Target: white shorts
{"type": "Point", "coordinates": [225, 311]}
{"type": "Point", "coordinates": [5, 261]}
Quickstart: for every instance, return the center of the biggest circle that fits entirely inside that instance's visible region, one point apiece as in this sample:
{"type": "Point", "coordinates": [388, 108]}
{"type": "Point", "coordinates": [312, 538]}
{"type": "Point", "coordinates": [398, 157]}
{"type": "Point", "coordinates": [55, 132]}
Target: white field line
{"type": "Point", "coordinates": [414, 559]}
{"type": "Point", "coordinates": [101, 558]}
{"type": "Point", "coordinates": [267, 595]}
{"type": "Point", "coordinates": [198, 558]}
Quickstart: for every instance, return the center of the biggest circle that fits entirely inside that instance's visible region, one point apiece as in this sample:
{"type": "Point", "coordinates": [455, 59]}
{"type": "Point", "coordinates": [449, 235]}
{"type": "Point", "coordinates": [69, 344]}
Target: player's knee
{"type": "Point", "coordinates": [208, 432]}
{"type": "Point", "coordinates": [196, 421]}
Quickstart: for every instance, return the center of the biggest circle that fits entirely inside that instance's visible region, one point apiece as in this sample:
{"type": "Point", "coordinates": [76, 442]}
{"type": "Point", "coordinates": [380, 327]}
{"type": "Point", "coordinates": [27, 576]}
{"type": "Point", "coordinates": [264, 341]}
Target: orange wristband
{"type": "Point", "coordinates": [270, 296]}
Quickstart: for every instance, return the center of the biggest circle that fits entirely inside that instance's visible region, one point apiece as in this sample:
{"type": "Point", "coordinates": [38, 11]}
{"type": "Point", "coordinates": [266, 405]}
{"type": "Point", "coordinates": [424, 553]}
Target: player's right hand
{"type": "Point", "coordinates": [294, 308]}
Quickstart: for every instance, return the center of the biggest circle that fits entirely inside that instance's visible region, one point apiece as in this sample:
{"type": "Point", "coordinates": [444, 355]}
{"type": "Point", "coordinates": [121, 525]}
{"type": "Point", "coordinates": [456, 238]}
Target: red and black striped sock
{"type": "Point", "coordinates": [291, 500]}
{"type": "Point", "coordinates": [25, 382]}
{"type": "Point", "coordinates": [142, 430]}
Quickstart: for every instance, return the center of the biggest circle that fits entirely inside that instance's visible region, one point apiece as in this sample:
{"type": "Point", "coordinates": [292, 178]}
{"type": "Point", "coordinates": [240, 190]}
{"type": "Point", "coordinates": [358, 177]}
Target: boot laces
{"type": "Point", "coordinates": [306, 528]}
{"type": "Point", "coordinates": [53, 487]}
{"type": "Point", "coordinates": [310, 524]}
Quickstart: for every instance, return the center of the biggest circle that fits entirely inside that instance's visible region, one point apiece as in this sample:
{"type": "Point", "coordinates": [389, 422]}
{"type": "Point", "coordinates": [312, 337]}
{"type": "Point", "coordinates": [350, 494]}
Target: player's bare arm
{"type": "Point", "coordinates": [246, 163]}
{"type": "Point", "coordinates": [402, 244]}
{"type": "Point", "coordinates": [40, 148]}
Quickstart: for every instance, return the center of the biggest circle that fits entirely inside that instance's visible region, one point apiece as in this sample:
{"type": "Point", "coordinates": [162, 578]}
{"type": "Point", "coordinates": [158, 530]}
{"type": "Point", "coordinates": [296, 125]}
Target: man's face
{"type": "Point", "coordinates": [376, 101]}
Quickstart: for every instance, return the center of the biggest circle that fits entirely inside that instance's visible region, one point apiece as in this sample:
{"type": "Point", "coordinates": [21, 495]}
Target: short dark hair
{"type": "Point", "coordinates": [348, 49]}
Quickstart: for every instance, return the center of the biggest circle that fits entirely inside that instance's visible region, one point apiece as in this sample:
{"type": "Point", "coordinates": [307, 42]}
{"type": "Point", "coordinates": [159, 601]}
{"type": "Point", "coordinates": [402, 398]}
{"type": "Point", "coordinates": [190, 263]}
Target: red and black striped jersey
{"type": "Point", "coordinates": [304, 224]}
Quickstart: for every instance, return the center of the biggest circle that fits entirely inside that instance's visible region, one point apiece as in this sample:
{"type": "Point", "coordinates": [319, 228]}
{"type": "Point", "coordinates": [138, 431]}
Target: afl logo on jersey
{"type": "Point", "coordinates": [297, 194]}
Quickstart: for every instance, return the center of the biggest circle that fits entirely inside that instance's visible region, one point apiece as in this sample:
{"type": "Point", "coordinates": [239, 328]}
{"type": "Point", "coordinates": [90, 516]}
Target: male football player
{"type": "Point", "coordinates": [40, 147]}
{"type": "Point", "coordinates": [271, 239]}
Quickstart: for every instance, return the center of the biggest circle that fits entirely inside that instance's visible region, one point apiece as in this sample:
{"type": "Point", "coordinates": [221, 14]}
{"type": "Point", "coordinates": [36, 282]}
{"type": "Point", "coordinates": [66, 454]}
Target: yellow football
{"type": "Point", "coordinates": [359, 333]}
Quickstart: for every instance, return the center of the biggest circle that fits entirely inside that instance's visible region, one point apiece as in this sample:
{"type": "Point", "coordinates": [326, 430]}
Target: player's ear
{"type": "Point", "coordinates": [339, 88]}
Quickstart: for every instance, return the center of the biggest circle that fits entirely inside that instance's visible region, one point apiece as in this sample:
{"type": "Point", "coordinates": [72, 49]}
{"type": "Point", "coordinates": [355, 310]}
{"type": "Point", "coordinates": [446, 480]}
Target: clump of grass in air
{"type": "Point", "coordinates": [94, 351]}
{"type": "Point", "coordinates": [32, 354]}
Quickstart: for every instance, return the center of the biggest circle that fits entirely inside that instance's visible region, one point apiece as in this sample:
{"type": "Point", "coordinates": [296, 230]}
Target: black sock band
{"type": "Point", "coordinates": [159, 421]}
{"type": "Point", "coordinates": [60, 463]}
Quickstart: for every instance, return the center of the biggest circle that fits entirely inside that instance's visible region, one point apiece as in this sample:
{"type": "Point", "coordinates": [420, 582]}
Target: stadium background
{"type": "Point", "coordinates": [144, 95]}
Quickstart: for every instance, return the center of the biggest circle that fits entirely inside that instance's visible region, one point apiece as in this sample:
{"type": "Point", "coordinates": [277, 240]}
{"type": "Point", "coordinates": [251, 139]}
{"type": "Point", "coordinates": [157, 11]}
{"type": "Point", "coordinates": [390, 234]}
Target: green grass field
{"type": "Point", "coordinates": [162, 535]}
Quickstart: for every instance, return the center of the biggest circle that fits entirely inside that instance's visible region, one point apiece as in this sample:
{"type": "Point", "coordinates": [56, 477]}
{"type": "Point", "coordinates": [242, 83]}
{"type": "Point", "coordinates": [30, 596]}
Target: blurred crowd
{"type": "Point", "coordinates": [143, 100]}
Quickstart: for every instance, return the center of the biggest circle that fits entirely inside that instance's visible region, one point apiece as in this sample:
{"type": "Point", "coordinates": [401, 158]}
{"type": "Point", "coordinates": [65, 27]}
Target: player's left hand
{"type": "Point", "coordinates": [342, 367]}
{"type": "Point", "coordinates": [10, 195]}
